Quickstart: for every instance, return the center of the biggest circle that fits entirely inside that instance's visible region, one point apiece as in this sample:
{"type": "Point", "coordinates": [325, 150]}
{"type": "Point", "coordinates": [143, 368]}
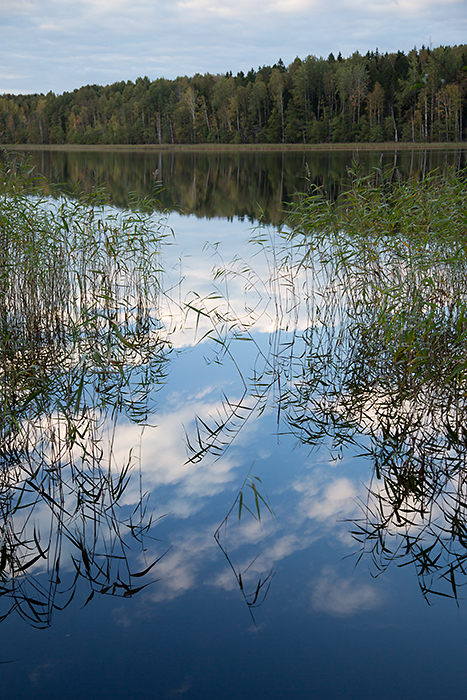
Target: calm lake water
{"type": "Point", "coordinates": [238, 607]}
{"type": "Point", "coordinates": [211, 185]}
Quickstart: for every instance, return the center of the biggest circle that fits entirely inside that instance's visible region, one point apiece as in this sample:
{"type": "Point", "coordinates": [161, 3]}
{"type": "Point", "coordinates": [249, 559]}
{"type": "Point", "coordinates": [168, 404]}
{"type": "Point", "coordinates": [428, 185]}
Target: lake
{"type": "Point", "coordinates": [256, 587]}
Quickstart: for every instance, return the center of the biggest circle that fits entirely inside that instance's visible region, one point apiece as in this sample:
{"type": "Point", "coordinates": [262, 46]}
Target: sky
{"type": "Point", "coordinates": [60, 45]}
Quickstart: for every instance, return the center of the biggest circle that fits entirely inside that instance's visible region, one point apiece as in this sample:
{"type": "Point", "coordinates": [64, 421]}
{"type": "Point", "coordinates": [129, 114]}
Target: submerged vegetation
{"type": "Point", "coordinates": [81, 348]}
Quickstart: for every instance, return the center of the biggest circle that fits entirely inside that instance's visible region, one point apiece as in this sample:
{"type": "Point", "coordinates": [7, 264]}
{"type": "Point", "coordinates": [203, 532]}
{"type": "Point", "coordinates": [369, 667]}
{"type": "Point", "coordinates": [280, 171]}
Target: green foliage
{"type": "Point", "coordinates": [418, 97]}
{"type": "Point", "coordinates": [80, 348]}
{"type": "Point", "coordinates": [385, 360]}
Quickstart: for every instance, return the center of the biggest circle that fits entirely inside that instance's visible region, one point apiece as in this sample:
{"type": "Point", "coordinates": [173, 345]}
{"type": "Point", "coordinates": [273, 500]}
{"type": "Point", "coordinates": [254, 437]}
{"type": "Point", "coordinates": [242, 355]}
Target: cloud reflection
{"type": "Point", "coordinates": [339, 596]}
{"type": "Point", "coordinates": [165, 464]}
{"type": "Point", "coordinates": [214, 290]}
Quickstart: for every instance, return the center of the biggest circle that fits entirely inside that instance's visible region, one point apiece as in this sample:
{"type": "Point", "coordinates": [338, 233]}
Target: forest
{"type": "Point", "coordinates": [414, 97]}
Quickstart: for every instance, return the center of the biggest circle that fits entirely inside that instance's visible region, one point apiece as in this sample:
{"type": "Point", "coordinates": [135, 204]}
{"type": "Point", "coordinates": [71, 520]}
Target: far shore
{"type": "Point", "coordinates": [238, 148]}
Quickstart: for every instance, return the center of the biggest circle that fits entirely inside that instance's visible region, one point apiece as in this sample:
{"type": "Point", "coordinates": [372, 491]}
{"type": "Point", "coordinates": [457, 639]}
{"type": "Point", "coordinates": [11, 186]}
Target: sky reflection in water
{"type": "Point", "coordinates": [326, 628]}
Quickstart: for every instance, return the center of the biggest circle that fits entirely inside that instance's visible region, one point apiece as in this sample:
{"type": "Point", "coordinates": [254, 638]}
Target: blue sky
{"type": "Point", "coordinates": [60, 45]}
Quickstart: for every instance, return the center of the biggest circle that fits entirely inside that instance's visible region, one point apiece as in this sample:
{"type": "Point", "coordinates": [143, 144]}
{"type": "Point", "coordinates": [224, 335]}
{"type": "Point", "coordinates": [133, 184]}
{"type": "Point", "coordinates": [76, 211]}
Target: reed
{"type": "Point", "coordinates": [81, 348]}
{"type": "Point", "coordinates": [368, 350]}
{"type": "Point", "coordinates": [385, 360]}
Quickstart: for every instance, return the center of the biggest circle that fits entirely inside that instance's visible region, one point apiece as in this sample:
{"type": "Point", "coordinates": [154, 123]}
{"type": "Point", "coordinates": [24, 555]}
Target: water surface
{"type": "Point", "coordinates": [248, 185]}
{"type": "Point", "coordinates": [275, 607]}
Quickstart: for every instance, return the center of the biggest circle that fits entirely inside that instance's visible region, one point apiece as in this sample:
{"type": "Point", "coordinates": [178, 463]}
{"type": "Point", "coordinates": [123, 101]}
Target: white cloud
{"type": "Point", "coordinates": [16, 7]}
{"type": "Point", "coordinates": [399, 8]}
{"type": "Point", "coordinates": [205, 35]}
{"type": "Point", "coordinates": [176, 572]}
{"type": "Point", "coordinates": [340, 596]}
{"type": "Point", "coordinates": [417, 7]}
{"type": "Point", "coordinates": [294, 6]}
{"type": "Point", "coordinates": [243, 8]}
{"type": "Point", "coordinates": [51, 27]}
{"type": "Point", "coordinates": [326, 497]}
{"type": "Point", "coordinates": [116, 6]}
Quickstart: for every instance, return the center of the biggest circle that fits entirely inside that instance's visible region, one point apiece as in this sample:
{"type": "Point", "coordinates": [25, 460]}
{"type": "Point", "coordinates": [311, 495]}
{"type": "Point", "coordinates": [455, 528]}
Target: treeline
{"type": "Point", "coordinates": [420, 96]}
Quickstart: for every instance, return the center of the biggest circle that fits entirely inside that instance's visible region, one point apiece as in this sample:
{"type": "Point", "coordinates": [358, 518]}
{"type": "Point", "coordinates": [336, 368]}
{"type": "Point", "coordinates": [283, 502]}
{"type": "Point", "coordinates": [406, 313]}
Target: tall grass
{"type": "Point", "coordinates": [385, 361]}
{"type": "Point", "coordinates": [368, 349]}
{"type": "Point", "coordinates": [80, 348]}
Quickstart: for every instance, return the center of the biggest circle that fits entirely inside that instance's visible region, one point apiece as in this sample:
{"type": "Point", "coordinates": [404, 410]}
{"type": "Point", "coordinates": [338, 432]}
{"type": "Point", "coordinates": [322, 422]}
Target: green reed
{"type": "Point", "coordinates": [81, 347]}
{"type": "Point", "coordinates": [385, 360]}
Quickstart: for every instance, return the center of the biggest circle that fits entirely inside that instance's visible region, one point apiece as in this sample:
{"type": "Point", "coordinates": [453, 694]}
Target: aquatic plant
{"type": "Point", "coordinates": [385, 360]}
{"type": "Point", "coordinates": [81, 348]}
{"type": "Point", "coordinates": [253, 500]}
{"type": "Point", "coordinates": [366, 307]}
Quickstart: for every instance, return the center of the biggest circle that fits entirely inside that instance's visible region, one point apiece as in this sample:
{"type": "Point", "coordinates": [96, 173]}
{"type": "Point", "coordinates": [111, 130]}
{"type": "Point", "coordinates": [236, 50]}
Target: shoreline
{"type": "Point", "coordinates": [238, 148]}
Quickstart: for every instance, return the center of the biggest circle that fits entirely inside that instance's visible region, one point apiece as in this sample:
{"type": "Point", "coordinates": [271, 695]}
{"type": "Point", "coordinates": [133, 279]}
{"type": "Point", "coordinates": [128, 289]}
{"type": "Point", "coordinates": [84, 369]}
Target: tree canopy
{"type": "Point", "coordinates": [419, 97]}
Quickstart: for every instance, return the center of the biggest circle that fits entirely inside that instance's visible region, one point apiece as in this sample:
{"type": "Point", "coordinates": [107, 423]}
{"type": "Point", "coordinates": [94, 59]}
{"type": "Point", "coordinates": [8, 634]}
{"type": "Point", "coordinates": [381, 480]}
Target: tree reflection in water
{"type": "Point", "coordinates": [80, 348]}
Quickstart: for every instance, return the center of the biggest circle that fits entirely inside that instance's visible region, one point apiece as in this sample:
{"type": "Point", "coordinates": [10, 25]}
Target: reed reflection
{"type": "Point", "coordinates": [384, 364]}
{"type": "Point", "coordinates": [80, 349]}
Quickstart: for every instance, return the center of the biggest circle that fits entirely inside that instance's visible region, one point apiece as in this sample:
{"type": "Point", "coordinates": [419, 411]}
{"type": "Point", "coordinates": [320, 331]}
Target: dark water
{"type": "Point", "coordinates": [249, 185]}
{"type": "Point", "coordinates": [272, 608]}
